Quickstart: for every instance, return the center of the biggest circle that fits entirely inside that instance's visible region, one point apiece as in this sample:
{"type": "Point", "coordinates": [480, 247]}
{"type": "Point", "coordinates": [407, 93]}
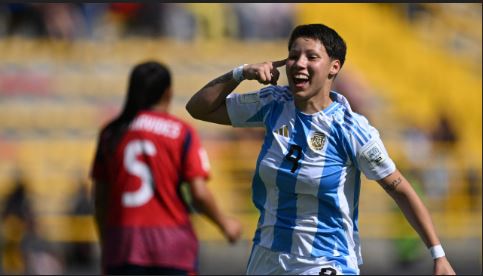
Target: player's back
{"type": "Point", "coordinates": [146, 172]}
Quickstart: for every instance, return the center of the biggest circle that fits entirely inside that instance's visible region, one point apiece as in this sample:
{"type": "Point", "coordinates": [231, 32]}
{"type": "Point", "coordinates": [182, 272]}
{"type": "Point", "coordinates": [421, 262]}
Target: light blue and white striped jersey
{"type": "Point", "coordinates": [307, 179]}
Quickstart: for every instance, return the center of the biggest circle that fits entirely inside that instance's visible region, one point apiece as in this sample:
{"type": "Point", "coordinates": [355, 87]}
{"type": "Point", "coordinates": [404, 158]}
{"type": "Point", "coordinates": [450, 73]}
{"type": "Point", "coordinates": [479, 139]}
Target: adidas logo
{"type": "Point", "coordinates": [283, 131]}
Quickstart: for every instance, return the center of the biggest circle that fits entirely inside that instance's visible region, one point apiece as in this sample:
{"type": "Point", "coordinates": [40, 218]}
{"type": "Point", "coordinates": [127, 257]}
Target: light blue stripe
{"type": "Point", "coordinates": [259, 191]}
{"type": "Point", "coordinates": [330, 229]}
{"type": "Point", "coordinates": [357, 191]}
{"type": "Point", "coordinates": [355, 125]}
{"type": "Point", "coordinates": [345, 144]}
{"type": "Point", "coordinates": [358, 129]}
{"type": "Point", "coordinates": [359, 139]}
{"type": "Point", "coordinates": [348, 125]}
{"type": "Point", "coordinates": [333, 106]}
{"type": "Point", "coordinates": [286, 181]}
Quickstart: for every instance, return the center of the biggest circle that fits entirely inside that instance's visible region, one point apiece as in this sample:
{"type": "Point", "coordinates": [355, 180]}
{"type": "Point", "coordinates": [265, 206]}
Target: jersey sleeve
{"type": "Point", "coordinates": [195, 160]}
{"type": "Point", "coordinates": [370, 153]}
{"type": "Point", "coordinates": [250, 109]}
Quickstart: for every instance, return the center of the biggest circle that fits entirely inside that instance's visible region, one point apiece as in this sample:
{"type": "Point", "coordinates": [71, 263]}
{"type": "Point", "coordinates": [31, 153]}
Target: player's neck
{"type": "Point", "coordinates": [313, 104]}
{"type": "Point", "coordinates": [161, 107]}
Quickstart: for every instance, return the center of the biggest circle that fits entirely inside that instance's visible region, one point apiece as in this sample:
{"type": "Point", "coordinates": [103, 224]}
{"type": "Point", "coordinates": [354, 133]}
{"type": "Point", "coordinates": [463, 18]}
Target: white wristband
{"type": "Point", "coordinates": [437, 251]}
{"type": "Point", "coordinates": [238, 73]}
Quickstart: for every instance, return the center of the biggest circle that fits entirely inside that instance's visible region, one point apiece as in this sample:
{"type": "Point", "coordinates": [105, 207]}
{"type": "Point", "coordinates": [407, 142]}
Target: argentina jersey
{"type": "Point", "coordinates": [307, 179]}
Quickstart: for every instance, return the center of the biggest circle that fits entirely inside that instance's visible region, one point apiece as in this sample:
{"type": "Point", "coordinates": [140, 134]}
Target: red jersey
{"type": "Point", "coordinates": [147, 221]}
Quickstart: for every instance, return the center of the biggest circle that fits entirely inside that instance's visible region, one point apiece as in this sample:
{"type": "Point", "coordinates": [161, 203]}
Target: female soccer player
{"type": "Point", "coordinates": [142, 158]}
{"type": "Point", "coordinates": [307, 179]}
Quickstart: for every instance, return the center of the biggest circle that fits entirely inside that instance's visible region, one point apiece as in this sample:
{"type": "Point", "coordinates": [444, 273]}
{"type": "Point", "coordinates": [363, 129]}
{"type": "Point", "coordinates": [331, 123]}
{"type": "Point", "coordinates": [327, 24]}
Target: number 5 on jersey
{"type": "Point", "coordinates": [135, 167]}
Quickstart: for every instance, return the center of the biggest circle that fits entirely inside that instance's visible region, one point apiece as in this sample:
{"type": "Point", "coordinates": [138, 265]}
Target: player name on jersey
{"type": "Point", "coordinates": [159, 126]}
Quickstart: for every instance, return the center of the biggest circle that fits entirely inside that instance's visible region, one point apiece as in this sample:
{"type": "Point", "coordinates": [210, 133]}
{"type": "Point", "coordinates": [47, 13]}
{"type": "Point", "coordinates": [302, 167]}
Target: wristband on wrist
{"type": "Point", "coordinates": [437, 251]}
{"type": "Point", "coordinates": [238, 73]}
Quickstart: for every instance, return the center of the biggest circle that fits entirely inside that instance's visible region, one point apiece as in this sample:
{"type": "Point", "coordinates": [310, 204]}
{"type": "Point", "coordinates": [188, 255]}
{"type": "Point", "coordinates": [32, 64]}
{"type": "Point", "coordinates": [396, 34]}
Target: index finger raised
{"type": "Point", "coordinates": [279, 63]}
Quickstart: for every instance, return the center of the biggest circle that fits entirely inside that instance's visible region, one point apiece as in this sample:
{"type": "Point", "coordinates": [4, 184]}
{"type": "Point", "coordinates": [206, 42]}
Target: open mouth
{"type": "Point", "coordinates": [301, 81]}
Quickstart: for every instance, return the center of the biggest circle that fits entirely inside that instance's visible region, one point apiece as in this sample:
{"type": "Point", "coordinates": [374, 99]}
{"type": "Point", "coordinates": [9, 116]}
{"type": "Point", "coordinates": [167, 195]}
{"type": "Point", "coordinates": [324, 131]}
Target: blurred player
{"type": "Point", "coordinates": [142, 158]}
{"type": "Point", "coordinates": [307, 179]}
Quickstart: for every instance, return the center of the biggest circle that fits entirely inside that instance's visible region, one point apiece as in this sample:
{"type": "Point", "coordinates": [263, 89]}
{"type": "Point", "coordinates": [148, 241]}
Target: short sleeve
{"type": "Point", "coordinates": [195, 160]}
{"type": "Point", "coordinates": [244, 109]}
{"type": "Point", "coordinates": [374, 161]}
{"type": "Point", "coordinates": [252, 109]}
{"type": "Point", "coordinates": [370, 153]}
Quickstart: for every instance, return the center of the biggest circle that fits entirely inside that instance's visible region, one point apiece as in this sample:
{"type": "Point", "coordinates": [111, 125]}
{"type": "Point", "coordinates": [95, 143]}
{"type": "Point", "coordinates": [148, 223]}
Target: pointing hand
{"type": "Point", "coordinates": [265, 72]}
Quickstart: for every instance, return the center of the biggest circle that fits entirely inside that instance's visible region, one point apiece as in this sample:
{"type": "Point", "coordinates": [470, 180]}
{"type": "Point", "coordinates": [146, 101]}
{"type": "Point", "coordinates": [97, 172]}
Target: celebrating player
{"type": "Point", "coordinates": [307, 179]}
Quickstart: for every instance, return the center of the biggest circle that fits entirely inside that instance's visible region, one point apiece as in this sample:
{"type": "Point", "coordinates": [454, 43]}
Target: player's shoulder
{"type": "Point", "coordinates": [346, 117]}
{"type": "Point", "coordinates": [105, 133]}
{"type": "Point", "coordinates": [343, 112]}
{"type": "Point", "coordinates": [177, 120]}
{"type": "Point", "coordinates": [276, 93]}
{"type": "Point", "coordinates": [350, 123]}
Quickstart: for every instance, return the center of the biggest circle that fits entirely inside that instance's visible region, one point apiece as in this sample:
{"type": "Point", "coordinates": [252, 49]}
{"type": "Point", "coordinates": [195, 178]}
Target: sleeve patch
{"type": "Point", "coordinates": [374, 155]}
{"type": "Point", "coordinates": [249, 98]}
{"type": "Point", "coordinates": [205, 163]}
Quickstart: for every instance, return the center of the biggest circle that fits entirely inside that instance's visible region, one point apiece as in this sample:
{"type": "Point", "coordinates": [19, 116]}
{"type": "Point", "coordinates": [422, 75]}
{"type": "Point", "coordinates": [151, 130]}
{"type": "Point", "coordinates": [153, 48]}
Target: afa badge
{"type": "Point", "coordinates": [317, 140]}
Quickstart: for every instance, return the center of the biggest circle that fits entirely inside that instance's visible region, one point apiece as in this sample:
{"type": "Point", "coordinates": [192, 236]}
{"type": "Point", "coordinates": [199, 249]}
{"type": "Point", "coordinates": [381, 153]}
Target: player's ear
{"type": "Point", "coordinates": [334, 67]}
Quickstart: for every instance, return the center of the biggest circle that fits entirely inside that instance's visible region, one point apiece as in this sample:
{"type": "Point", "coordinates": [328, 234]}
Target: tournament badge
{"type": "Point", "coordinates": [316, 140]}
{"type": "Point", "coordinates": [374, 155]}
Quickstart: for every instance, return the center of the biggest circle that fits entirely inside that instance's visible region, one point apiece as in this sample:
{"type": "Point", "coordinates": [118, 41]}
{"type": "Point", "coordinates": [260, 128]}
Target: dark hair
{"type": "Point", "coordinates": [147, 84]}
{"type": "Point", "coordinates": [333, 43]}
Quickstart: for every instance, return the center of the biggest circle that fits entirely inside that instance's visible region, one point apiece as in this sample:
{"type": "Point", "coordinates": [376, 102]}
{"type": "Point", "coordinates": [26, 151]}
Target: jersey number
{"type": "Point", "coordinates": [135, 167]}
{"type": "Point", "coordinates": [294, 155]}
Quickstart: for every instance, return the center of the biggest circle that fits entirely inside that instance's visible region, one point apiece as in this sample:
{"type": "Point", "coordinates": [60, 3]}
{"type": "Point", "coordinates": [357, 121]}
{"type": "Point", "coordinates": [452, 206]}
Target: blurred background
{"type": "Point", "coordinates": [413, 69]}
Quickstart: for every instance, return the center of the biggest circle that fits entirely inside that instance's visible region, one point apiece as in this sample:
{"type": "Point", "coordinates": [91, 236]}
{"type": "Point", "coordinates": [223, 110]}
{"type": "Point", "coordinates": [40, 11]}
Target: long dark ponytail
{"type": "Point", "coordinates": [147, 83]}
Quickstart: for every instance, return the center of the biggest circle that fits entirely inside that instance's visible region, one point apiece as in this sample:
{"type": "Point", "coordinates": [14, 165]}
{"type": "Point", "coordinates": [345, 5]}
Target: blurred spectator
{"type": "Point", "coordinates": [62, 20]}
{"type": "Point", "coordinates": [126, 9]}
{"type": "Point", "coordinates": [444, 139]}
{"type": "Point", "coordinates": [24, 252]}
{"type": "Point", "coordinates": [94, 15]}
{"type": "Point", "coordinates": [80, 253]}
{"type": "Point", "coordinates": [55, 20]}
{"type": "Point", "coordinates": [23, 19]}
{"type": "Point", "coordinates": [420, 151]}
{"type": "Point", "coordinates": [154, 19]}
{"type": "Point", "coordinates": [473, 182]}
{"type": "Point", "coordinates": [177, 22]}
{"type": "Point", "coordinates": [264, 20]}
{"type": "Point", "coordinates": [444, 132]}
{"type": "Point", "coordinates": [417, 146]}
{"type": "Point", "coordinates": [138, 18]}
{"type": "Point", "coordinates": [212, 20]}
{"type": "Point", "coordinates": [18, 228]}
{"type": "Point", "coordinates": [414, 10]}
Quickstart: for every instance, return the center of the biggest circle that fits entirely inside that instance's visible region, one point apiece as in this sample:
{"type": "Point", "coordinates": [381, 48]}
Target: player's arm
{"type": "Point", "coordinates": [208, 104]}
{"type": "Point", "coordinates": [204, 202]}
{"type": "Point", "coordinates": [417, 215]}
{"type": "Point", "coordinates": [100, 206]}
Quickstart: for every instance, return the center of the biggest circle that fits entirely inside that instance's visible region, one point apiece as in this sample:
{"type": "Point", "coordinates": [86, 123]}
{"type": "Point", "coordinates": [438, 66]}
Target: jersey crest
{"type": "Point", "coordinates": [317, 140]}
